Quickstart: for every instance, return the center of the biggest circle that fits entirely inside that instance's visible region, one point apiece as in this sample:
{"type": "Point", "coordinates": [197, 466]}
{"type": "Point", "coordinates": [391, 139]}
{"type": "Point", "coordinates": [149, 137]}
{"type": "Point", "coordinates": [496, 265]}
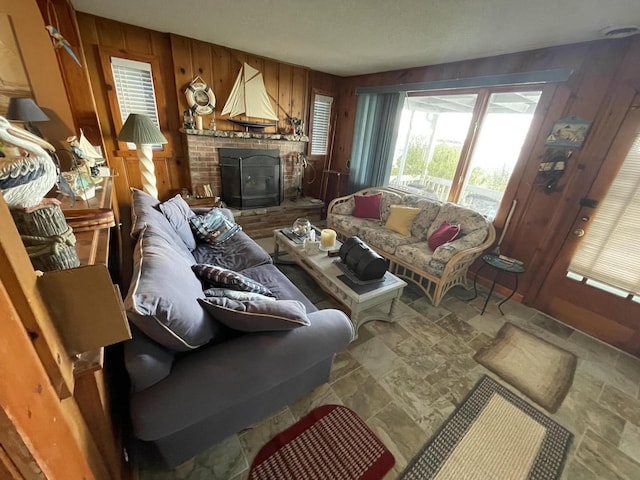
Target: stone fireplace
{"type": "Point", "coordinates": [203, 153]}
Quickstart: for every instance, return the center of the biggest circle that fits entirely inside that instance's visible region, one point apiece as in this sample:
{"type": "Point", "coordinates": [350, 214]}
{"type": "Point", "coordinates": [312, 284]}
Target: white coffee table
{"type": "Point", "coordinates": [325, 272]}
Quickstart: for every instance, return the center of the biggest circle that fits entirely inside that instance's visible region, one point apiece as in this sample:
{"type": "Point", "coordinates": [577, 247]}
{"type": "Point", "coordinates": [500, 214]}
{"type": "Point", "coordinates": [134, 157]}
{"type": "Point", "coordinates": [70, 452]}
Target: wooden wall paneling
{"type": "Point", "coordinates": [8, 470]}
{"type": "Point", "coordinates": [270, 74]}
{"type": "Point", "coordinates": [540, 244]}
{"type": "Point", "coordinates": [182, 67]}
{"type": "Point", "coordinates": [110, 33]}
{"type": "Point", "coordinates": [285, 80]}
{"type": "Point", "coordinates": [300, 94]}
{"type": "Point", "coordinates": [137, 39]}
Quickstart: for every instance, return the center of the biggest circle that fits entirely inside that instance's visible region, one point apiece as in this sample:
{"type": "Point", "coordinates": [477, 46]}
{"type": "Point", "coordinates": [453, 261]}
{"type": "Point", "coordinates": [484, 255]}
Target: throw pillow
{"type": "Point", "coordinates": [256, 316]}
{"type": "Point", "coordinates": [178, 212]}
{"type": "Point", "coordinates": [367, 206]}
{"type": "Point", "coordinates": [443, 234]}
{"type": "Point", "coordinates": [401, 218]}
{"type": "Point", "coordinates": [213, 227]}
{"type": "Point", "coordinates": [222, 277]}
{"type": "Point", "coordinates": [236, 295]}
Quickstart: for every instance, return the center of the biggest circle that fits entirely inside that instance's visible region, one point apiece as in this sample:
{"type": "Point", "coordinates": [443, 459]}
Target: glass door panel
{"type": "Point", "coordinates": [497, 148]}
{"type": "Point", "coordinates": [432, 132]}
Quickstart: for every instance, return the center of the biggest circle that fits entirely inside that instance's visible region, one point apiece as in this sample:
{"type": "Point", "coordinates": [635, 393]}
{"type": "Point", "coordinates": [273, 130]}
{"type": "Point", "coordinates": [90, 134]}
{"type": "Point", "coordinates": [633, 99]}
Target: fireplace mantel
{"type": "Point", "coordinates": [249, 135]}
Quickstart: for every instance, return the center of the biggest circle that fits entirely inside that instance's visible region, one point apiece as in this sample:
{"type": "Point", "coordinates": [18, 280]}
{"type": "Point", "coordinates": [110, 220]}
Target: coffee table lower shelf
{"type": "Point", "coordinates": [324, 271]}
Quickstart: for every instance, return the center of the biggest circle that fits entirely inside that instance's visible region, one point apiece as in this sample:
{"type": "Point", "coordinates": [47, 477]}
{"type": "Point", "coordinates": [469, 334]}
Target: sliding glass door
{"type": "Point", "coordinates": [462, 147]}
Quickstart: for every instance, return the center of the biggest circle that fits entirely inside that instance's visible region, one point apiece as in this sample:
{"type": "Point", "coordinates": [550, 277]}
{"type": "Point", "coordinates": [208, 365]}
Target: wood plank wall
{"type": "Point", "coordinates": [181, 59]}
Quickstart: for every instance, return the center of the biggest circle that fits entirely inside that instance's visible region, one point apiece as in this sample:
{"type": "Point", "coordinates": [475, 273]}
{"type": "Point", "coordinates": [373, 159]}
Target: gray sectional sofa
{"type": "Point", "coordinates": [195, 381]}
{"type": "Point", "coordinates": [410, 257]}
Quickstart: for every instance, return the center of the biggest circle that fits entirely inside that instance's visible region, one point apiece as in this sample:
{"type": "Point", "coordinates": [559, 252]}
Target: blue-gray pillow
{"type": "Point", "coordinates": [213, 227]}
{"type": "Point", "coordinates": [178, 212]}
{"type": "Point", "coordinates": [225, 278]}
{"type": "Point", "coordinates": [162, 297]}
{"type": "Point", "coordinates": [257, 316]}
{"type": "Point", "coordinates": [236, 295]}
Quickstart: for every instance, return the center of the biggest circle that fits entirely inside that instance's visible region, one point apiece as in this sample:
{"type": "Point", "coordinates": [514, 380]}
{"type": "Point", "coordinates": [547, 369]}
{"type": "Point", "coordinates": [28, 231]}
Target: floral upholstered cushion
{"type": "Point", "coordinates": [469, 220]}
{"type": "Point", "coordinates": [383, 239]}
{"type": "Point", "coordinates": [465, 242]}
{"type": "Point", "coordinates": [416, 254]}
{"type": "Point", "coordinates": [388, 199]}
{"type": "Point", "coordinates": [344, 208]}
{"type": "Point", "coordinates": [428, 211]}
{"type": "Point", "coordinates": [351, 226]}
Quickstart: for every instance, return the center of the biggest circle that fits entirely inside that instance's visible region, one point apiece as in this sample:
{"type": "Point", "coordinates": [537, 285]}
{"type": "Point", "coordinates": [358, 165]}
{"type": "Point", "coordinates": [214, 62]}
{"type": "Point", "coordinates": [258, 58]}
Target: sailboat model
{"type": "Point", "coordinates": [249, 97]}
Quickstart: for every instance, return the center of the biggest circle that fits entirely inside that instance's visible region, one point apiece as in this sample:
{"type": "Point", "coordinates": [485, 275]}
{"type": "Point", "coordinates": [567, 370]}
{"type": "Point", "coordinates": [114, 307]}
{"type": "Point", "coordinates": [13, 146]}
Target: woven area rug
{"type": "Point", "coordinates": [332, 442]}
{"type": "Point", "coordinates": [493, 435]}
{"type": "Point", "coordinates": [539, 369]}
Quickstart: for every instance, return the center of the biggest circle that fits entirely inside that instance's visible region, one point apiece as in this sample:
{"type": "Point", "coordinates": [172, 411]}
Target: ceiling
{"type": "Point", "coordinates": [351, 37]}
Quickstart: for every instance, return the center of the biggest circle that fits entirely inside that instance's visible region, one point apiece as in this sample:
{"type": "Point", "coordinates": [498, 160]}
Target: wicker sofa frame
{"type": "Point", "coordinates": [435, 288]}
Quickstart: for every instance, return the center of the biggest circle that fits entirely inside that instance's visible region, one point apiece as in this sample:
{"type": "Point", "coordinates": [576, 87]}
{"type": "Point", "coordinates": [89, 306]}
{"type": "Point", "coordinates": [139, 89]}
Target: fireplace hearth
{"type": "Point", "coordinates": [250, 178]}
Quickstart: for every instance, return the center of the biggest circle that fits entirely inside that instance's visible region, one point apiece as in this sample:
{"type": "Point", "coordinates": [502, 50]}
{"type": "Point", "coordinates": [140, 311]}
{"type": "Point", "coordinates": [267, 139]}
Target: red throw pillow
{"type": "Point", "coordinates": [443, 234]}
{"type": "Point", "coordinates": [367, 206]}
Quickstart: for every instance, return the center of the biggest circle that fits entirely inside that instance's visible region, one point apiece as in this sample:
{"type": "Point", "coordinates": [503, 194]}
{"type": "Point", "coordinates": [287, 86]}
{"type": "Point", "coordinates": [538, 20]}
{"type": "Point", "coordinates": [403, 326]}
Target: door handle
{"type": "Point", "coordinates": [578, 232]}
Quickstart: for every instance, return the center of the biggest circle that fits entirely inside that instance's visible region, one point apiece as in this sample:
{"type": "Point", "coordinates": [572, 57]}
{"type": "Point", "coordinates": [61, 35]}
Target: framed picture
{"type": "Point", "coordinates": [568, 133]}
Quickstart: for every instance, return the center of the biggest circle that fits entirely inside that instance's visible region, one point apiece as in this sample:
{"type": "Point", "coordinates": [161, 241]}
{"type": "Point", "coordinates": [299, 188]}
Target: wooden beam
{"type": "Point", "coordinates": [19, 278]}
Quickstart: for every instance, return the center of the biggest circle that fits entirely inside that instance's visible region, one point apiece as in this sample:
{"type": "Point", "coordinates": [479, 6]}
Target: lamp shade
{"type": "Point", "coordinates": [25, 110]}
{"type": "Point", "coordinates": [141, 130]}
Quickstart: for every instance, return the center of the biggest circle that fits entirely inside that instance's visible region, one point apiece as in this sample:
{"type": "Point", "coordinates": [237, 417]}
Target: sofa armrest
{"type": "Point", "coordinates": [446, 251]}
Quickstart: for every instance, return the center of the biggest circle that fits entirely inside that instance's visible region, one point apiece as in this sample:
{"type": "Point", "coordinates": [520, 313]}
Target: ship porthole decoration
{"type": "Point", "coordinates": [200, 97]}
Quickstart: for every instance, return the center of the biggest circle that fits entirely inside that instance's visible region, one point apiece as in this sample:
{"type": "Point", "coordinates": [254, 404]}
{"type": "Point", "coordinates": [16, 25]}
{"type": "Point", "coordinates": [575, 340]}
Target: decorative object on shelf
{"type": "Point", "coordinates": [188, 122]}
{"type": "Point", "coordinates": [200, 97]}
{"type": "Point", "coordinates": [58, 40]}
{"type": "Point", "coordinates": [25, 181]}
{"type": "Point", "coordinates": [568, 133]}
{"type": "Point", "coordinates": [47, 237]}
{"type": "Point", "coordinates": [89, 219]}
{"type": "Point", "coordinates": [24, 109]}
{"type": "Point", "coordinates": [141, 130]}
{"type": "Point", "coordinates": [199, 124]}
{"type": "Point", "coordinates": [249, 97]}
{"type": "Point", "coordinates": [301, 227]}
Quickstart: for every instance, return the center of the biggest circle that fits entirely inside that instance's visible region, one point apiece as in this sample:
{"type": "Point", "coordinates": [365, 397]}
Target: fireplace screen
{"type": "Point", "coordinates": [250, 177]}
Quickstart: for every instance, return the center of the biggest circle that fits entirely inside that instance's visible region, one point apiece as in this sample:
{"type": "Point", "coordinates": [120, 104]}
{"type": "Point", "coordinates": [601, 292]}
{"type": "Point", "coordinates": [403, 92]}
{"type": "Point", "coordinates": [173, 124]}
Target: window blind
{"type": "Point", "coordinates": [134, 89]}
{"type": "Point", "coordinates": [320, 124]}
{"type": "Point", "coordinates": [610, 251]}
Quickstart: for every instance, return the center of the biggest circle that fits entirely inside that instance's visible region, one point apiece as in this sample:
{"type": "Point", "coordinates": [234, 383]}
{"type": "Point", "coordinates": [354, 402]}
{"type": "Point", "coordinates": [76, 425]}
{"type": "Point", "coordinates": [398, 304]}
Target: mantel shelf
{"type": "Point", "coordinates": [233, 134]}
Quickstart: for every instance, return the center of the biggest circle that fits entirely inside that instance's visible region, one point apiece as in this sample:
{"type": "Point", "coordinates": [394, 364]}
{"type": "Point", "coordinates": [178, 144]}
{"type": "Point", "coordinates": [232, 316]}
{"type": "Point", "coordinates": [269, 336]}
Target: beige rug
{"type": "Point", "coordinates": [539, 369]}
{"type": "Point", "coordinates": [493, 434]}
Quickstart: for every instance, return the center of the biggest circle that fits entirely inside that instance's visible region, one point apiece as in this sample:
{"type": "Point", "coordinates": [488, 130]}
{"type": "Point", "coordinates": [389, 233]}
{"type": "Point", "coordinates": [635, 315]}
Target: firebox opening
{"type": "Point", "coordinates": [251, 178]}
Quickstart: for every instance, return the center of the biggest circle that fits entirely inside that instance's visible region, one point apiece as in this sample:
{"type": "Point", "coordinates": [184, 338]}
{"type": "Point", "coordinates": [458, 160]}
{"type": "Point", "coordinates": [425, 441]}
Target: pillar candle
{"type": "Point", "coordinates": [198, 122]}
{"type": "Point", "coordinates": [327, 237]}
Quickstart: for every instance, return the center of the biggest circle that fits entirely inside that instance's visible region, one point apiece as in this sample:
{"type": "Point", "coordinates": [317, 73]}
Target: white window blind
{"type": "Point", "coordinates": [320, 124]}
{"type": "Point", "coordinates": [134, 89]}
{"type": "Point", "coordinates": [610, 251]}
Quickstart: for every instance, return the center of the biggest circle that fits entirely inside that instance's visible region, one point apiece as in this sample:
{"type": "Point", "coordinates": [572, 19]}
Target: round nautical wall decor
{"type": "Point", "coordinates": [200, 97]}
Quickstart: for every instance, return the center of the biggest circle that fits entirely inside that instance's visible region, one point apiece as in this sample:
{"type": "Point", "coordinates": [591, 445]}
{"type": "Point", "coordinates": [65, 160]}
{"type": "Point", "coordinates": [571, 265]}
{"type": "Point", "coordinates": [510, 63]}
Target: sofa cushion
{"type": "Point", "coordinates": [447, 232]}
{"type": "Point", "coordinates": [388, 199]}
{"type": "Point", "coordinates": [367, 206]}
{"type": "Point", "coordinates": [383, 239]}
{"type": "Point", "coordinates": [257, 316]}
{"type": "Point", "coordinates": [351, 226]}
{"type": "Point", "coordinates": [145, 211]}
{"type": "Point", "coordinates": [223, 277]}
{"type": "Point", "coordinates": [469, 220]}
{"type": "Point", "coordinates": [281, 287]}
{"type": "Point", "coordinates": [213, 227]}
{"type": "Point", "coordinates": [178, 212]}
{"type": "Point", "coordinates": [418, 255]}
{"type": "Point", "coordinates": [163, 296]}
{"type": "Point", "coordinates": [237, 295]}
{"type": "Point", "coordinates": [237, 254]}
{"type": "Point", "coordinates": [344, 208]}
{"type": "Point", "coordinates": [428, 211]}
{"type": "Point", "coordinates": [401, 218]}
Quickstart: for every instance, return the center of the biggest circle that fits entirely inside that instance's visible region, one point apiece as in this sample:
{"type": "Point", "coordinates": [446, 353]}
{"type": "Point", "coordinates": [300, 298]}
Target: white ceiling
{"type": "Point", "coordinates": [351, 37]}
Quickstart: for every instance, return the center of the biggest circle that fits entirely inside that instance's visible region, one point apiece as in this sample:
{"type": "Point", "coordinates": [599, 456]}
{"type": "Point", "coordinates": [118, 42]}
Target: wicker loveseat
{"type": "Point", "coordinates": [410, 257]}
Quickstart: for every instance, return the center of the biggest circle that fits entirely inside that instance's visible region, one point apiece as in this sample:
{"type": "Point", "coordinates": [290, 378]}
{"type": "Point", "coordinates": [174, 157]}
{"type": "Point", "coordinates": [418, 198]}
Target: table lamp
{"type": "Point", "coordinates": [24, 109]}
{"type": "Point", "coordinates": [141, 130]}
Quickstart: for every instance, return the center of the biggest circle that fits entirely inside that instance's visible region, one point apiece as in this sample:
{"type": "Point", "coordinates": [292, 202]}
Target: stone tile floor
{"type": "Point", "coordinates": [405, 378]}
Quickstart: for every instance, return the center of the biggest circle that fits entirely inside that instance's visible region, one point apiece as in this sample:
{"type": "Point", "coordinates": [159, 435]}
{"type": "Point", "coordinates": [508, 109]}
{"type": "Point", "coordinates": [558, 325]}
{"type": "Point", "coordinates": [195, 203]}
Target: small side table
{"type": "Point", "coordinates": [499, 265]}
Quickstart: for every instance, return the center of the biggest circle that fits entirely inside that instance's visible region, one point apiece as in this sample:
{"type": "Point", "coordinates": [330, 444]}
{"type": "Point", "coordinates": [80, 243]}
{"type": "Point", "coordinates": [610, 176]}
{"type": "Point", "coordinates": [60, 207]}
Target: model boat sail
{"type": "Point", "coordinates": [249, 97]}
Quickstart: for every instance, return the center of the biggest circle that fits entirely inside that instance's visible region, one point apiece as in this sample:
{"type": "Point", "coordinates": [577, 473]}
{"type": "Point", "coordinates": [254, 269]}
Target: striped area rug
{"type": "Point", "coordinates": [332, 442]}
{"type": "Point", "coordinates": [493, 435]}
